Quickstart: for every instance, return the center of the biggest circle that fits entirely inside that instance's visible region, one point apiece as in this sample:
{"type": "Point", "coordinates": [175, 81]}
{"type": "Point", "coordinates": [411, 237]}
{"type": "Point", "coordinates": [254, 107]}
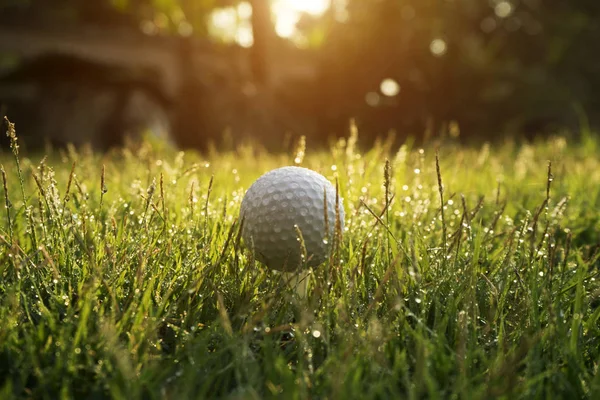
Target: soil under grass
{"type": "Point", "coordinates": [122, 275]}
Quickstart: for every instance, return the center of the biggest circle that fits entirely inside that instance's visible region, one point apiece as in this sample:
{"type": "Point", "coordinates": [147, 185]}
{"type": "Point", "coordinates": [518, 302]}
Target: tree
{"type": "Point", "coordinates": [263, 33]}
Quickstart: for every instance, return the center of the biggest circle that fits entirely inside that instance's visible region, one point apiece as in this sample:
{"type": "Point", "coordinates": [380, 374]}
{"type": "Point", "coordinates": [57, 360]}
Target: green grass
{"type": "Point", "coordinates": [142, 289]}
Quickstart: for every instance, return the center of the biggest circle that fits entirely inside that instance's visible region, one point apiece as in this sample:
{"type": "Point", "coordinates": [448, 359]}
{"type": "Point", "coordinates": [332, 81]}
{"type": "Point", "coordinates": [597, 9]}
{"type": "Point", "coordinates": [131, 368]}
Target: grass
{"type": "Point", "coordinates": [122, 275]}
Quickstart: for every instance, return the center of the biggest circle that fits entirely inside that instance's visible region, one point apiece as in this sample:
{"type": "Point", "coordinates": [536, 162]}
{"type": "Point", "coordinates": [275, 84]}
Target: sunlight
{"type": "Point", "coordinates": [285, 21]}
{"type": "Point", "coordinates": [232, 24]}
{"type": "Point", "coordinates": [313, 7]}
{"type": "Point", "coordinates": [287, 13]}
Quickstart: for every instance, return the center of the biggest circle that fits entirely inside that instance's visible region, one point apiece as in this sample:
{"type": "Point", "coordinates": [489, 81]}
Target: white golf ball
{"type": "Point", "coordinates": [280, 203]}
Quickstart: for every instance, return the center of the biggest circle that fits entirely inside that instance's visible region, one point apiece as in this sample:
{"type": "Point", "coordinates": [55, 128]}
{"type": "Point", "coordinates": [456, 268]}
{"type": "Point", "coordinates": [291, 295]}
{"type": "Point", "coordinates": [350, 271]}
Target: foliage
{"type": "Point", "coordinates": [508, 66]}
{"type": "Point", "coordinates": [122, 275]}
{"type": "Point", "coordinates": [166, 14]}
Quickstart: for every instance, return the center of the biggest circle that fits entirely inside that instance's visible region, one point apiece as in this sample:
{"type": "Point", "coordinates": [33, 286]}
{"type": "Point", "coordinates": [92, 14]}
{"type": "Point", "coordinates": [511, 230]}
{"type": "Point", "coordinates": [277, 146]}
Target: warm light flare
{"type": "Point", "coordinates": [313, 7]}
{"type": "Point", "coordinates": [287, 13]}
{"type": "Point", "coordinates": [232, 24]}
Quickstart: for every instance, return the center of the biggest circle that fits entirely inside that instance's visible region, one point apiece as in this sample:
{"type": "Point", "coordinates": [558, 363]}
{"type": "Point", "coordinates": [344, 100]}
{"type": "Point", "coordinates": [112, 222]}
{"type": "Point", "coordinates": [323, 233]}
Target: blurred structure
{"type": "Point", "coordinates": [84, 83]}
{"type": "Point", "coordinates": [95, 70]}
{"type": "Point", "coordinates": [64, 99]}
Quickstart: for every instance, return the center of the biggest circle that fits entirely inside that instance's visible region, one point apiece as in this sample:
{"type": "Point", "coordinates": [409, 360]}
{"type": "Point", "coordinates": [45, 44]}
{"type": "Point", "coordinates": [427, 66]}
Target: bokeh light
{"type": "Point", "coordinates": [244, 10]}
{"type": "Point", "coordinates": [185, 29]}
{"type": "Point", "coordinates": [373, 99]}
{"type": "Point", "coordinates": [232, 24]}
{"type": "Point", "coordinates": [488, 25]}
{"type": "Point", "coordinates": [389, 87]}
{"type": "Point", "coordinates": [503, 9]}
{"type": "Point", "coordinates": [438, 47]}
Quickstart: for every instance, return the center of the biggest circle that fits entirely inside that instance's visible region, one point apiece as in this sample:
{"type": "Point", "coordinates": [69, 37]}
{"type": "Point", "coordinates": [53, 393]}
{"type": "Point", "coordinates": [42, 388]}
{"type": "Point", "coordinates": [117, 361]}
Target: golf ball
{"type": "Point", "coordinates": [278, 205]}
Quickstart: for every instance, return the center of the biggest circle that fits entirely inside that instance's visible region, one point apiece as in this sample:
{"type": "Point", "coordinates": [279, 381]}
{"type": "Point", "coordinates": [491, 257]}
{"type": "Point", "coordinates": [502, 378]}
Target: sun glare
{"type": "Point", "coordinates": [287, 13]}
{"type": "Point", "coordinates": [313, 7]}
{"type": "Point", "coordinates": [232, 24]}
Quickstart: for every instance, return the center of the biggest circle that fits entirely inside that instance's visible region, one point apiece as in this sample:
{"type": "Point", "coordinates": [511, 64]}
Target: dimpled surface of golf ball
{"type": "Point", "coordinates": [277, 203]}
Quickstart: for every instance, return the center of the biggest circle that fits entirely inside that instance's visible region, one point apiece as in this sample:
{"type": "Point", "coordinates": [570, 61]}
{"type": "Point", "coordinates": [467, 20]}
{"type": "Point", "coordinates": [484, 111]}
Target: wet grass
{"type": "Point", "coordinates": [123, 276]}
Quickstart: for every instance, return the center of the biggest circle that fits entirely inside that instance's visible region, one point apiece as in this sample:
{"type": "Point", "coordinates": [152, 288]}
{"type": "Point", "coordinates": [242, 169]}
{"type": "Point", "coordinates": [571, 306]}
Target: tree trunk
{"type": "Point", "coordinates": [263, 32]}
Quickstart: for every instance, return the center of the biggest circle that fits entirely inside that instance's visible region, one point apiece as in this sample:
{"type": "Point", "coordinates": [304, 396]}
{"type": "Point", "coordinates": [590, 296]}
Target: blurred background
{"type": "Point", "coordinates": [221, 71]}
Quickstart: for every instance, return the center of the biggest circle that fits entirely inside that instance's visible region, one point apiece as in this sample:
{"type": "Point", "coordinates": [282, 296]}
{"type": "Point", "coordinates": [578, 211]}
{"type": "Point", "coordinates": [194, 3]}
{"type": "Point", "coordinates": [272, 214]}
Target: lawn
{"type": "Point", "coordinates": [122, 275]}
